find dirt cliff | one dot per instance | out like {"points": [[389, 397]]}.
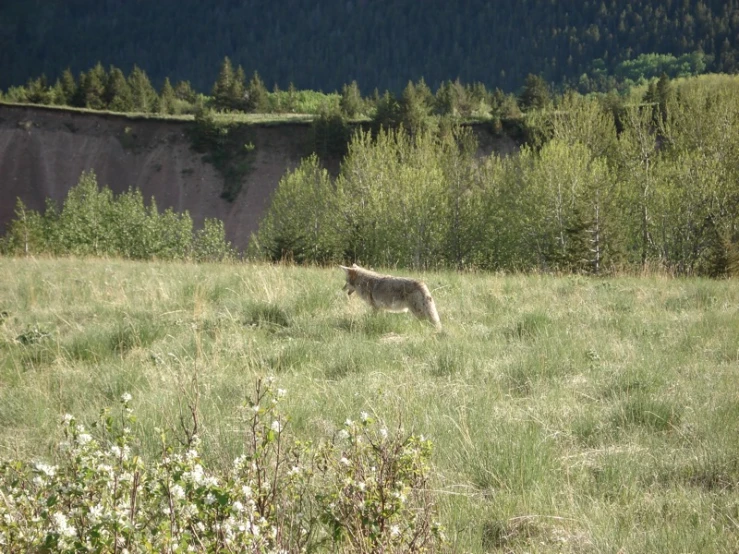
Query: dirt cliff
{"points": [[44, 151]]}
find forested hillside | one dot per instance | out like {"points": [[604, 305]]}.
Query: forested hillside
{"points": [[380, 44]]}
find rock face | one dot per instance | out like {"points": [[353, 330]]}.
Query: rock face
{"points": [[43, 152]]}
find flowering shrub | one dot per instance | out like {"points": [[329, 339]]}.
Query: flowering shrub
{"points": [[364, 490]]}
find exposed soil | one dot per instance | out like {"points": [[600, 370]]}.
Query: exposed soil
{"points": [[43, 152]]}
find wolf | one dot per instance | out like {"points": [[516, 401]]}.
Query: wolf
{"points": [[395, 294]]}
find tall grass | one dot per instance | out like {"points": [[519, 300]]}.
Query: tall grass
{"points": [[567, 414]]}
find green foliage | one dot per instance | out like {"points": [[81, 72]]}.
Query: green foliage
{"points": [[143, 96], [565, 411], [331, 134], [381, 48], [228, 146], [304, 223], [602, 186], [351, 102], [257, 96], [95, 222], [535, 94], [365, 490]]}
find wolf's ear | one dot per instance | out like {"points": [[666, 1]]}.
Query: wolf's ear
{"points": [[344, 268], [355, 266]]}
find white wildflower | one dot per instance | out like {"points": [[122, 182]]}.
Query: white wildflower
{"points": [[67, 419], [246, 491], [95, 513], [364, 416], [394, 531], [83, 439], [383, 433], [276, 426], [126, 397], [62, 527], [46, 469], [178, 492], [281, 393], [195, 476], [210, 481], [344, 461], [115, 450], [210, 499], [348, 422], [238, 507], [344, 434]]}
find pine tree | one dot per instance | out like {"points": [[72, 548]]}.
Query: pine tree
{"points": [[93, 87], [414, 112], [37, 91], [167, 98], [257, 97], [69, 87], [535, 94], [351, 102], [143, 95], [117, 94], [237, 90], [222, 88]]}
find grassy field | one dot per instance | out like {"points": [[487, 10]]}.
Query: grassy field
{"points": [[568, 414]]}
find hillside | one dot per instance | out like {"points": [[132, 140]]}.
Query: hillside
{"points": [[323, 45], [44, 151]]}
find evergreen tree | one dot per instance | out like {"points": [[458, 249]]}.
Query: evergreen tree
{"points": [[93, 87], [222, 88], [257, 97], [413, 111], [351, 102], [535, 94], [167, 98], [143, 95], [117, 94], [183, 91], [237, 90], [69, 87], [38, 92]]}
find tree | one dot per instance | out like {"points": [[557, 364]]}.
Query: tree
{"points": [[92, 86], [117, 94], [257, 97], [237, 90], [143, 95], [535, 94], [351, 102], [413, 111], [222, 88], [68, 86], [167, 98], [303, 221]]}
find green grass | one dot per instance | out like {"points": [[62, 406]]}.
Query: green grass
{"points": [[568, 414]]}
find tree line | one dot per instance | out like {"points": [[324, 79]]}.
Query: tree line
{"points": [[595, 190], [323, 45], [93, 221]]}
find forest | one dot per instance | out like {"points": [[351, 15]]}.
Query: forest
{"points": [[380, 45], [651, 185]]}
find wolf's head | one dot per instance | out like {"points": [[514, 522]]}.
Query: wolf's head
{"points": [[351, 278]]}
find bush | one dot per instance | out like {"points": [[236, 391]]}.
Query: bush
{"points": [[95, 222], [364, 490]]}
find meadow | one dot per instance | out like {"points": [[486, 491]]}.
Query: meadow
{"points": [[567, 413]]}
